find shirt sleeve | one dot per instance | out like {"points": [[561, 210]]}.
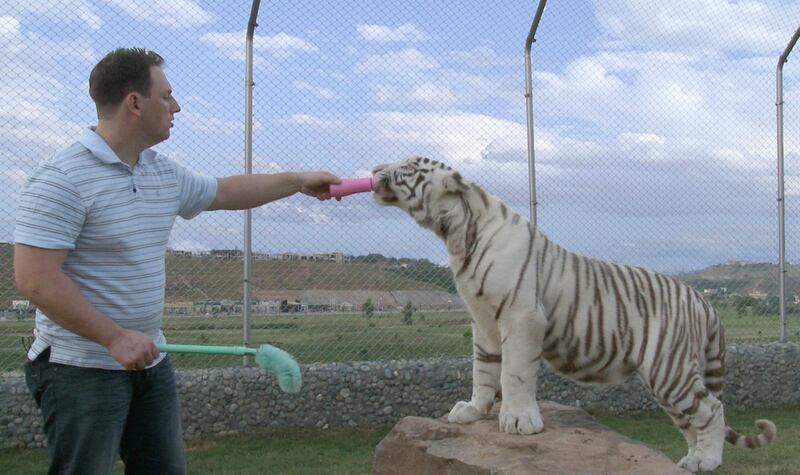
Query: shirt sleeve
{"points": [[50, 211], [197, 192]]}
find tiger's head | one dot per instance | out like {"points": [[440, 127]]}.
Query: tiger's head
{"points": [[430, 191]]}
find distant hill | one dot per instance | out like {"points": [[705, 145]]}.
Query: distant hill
{"points": [[209, 278], [744, 278], [191, 277]]}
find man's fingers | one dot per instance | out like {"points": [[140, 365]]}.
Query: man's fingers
{"points": [[153, 353]]}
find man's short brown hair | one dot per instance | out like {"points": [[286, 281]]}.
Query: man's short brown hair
{"points": [[119, 73]]}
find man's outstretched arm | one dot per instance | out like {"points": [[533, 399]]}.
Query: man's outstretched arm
{"points": [[250, 191]]}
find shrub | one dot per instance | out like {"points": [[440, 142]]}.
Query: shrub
{"points": [[368, 309]]}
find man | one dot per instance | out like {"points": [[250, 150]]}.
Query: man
{"points": [[92, 226]]}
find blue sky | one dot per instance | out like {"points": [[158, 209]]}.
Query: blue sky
{"points": [[655, 123]]}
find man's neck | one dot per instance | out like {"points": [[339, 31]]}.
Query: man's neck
{"points": [[121, 142]]}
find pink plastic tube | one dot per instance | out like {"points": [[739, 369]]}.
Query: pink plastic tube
{"points": [[348, 186]]}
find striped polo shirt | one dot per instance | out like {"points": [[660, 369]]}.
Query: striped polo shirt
{"points": [[115, 221]]}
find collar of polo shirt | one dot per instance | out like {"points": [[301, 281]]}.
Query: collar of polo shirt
{"points": [[100, 148]]}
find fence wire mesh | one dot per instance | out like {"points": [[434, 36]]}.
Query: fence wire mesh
{"points": [[655, 146]]}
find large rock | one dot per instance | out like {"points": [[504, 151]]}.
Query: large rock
{"points": [[572, 442]]}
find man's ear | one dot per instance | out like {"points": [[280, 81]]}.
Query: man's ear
{"points": [[132, 103], [454, 183]]}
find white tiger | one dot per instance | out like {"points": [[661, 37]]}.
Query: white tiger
{"points": [[595, 321]]}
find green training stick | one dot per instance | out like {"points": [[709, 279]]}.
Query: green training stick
{"points": [[268, 357]]}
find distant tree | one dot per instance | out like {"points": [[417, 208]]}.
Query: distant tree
{"points": [[408, 312], [769, 306], [744, 305], [368, 309]]}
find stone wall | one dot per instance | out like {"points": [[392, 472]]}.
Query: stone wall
{"points": [[336, 395]]}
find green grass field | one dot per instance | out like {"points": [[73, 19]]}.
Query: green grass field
{"points": [[347, 337], [780, 457], [351, 451]]}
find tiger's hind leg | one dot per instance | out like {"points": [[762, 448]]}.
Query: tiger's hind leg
{"points": [[695, 405], [709, 422], [689, 433]]}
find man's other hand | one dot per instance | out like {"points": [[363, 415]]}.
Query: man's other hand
{"points": [[133, 350]]}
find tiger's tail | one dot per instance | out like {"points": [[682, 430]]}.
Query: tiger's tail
{"points": [[767, 435], [715, 382]]}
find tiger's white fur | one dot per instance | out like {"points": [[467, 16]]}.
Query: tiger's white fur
{"points": [[592, 320]]}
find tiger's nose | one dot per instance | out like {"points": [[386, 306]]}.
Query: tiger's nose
{"points": [[378, 168]]}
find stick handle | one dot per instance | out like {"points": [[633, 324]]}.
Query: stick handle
{"points": [[206, 349]]}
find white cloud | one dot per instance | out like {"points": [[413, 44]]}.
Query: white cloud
{"points": [[386, 34], [313, 121], [471, 88], [265, 166], [405, 62], [427, 94], [173, 14], [282, 45], [485, 56], [210, 123], [294, 210], [32, 126], [630, 138], [584, 76], [440, 89], [691, 99], [643, 146], [320, 92], [278, 46], [66, 11], [723, 25], [453, 137], [9, 27], [792, 186]]}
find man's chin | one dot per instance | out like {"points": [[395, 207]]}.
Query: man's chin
{"points": [[158, 140]]}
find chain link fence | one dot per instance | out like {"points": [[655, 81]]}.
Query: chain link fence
{"points": [[655, 146]]}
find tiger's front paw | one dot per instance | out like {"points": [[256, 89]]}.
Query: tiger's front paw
{"points": [[528, 421], [463, 413], [690, 463]]}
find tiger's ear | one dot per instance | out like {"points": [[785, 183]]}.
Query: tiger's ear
{"points": [[453, 183]]}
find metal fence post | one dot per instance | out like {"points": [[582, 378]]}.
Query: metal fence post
{"points": [[248, 169], [529, 108], [781, 229]]}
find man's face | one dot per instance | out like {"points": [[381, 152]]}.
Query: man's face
{"points": [[159, 109]]}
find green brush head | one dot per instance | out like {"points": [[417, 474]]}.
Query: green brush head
{"points": [[282, 365]]}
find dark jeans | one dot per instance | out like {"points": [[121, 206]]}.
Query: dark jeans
{"points": [[91, 415]]}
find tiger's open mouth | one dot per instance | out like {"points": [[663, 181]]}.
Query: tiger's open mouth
{"points": [[382, 189]]}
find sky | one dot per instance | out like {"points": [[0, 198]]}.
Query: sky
{"points": [[654, 121]]}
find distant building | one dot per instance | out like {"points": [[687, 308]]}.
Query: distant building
{"points": [[715, 291], [227, 253], [758, 294], [178, 308], [337, 257]]}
